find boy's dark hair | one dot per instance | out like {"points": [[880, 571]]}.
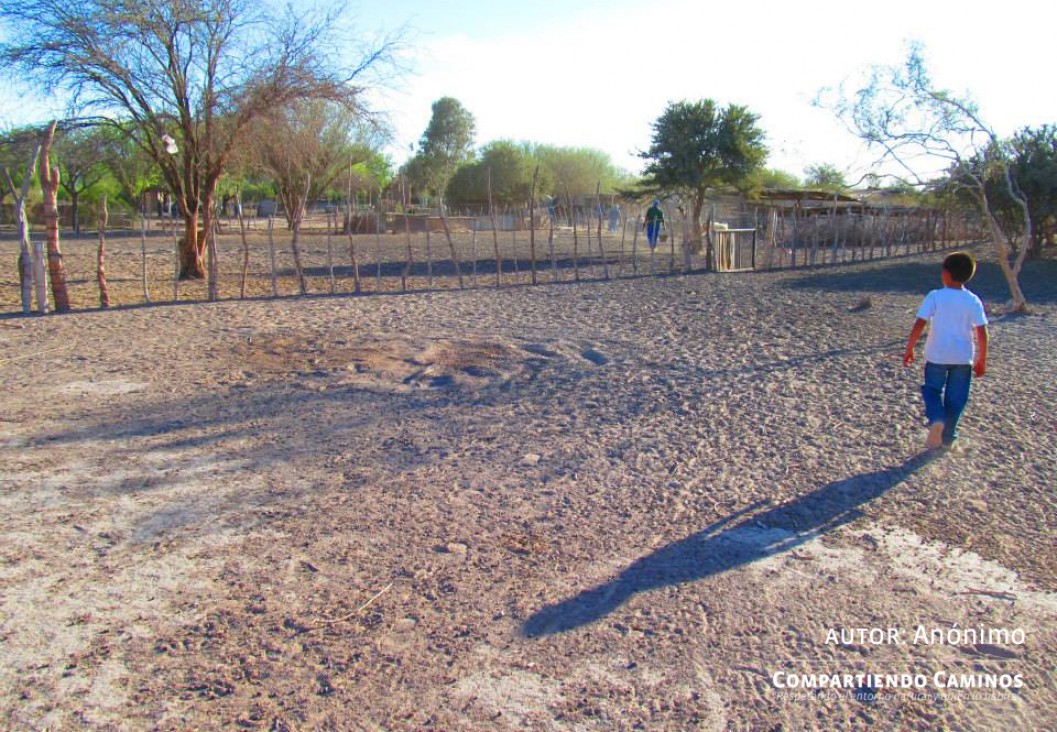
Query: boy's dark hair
{"points": [[961, 266]]}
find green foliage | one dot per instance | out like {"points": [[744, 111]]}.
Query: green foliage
{"points": [[419, 175], [697, 147], [1034, 168], [449, 138], [446, 144], [373, 170], [578, 170], [508, 166], [774, 178], [80, 155], [198, 73], [129, 166], [1031, 159], [17, 145], [826, 177]]}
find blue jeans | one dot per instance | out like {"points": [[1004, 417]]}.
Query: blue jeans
{"points": [[946, 392], [653, 231]]}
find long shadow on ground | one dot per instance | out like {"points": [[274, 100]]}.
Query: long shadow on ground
{"points": [[726, 545], [483, 267], [1038, 280]]}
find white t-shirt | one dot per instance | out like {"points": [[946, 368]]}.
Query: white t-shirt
{"points": [[953, 316]]}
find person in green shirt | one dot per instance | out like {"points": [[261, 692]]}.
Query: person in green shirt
{"points": [[654, 223]]}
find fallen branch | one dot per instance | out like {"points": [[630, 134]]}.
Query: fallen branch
{"points": [[990, 593], [334, 621]]}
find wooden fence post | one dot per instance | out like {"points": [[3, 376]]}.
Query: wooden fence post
{"points": [[245, 244], [532, 223], [379, 222], [601, 246], [473, 253], [100, 268], [271, 254], [410, 260], [576, 241], [49, 183], [330, 254], [295, 238], [143, 251], [635, 246], [429, 255], [550, 246], [495, 235], [451, 244]]}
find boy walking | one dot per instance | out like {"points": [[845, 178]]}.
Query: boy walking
{"points": [[953, 315]]}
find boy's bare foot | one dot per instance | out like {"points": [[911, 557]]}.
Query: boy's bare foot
{"points": [[935, 438]]}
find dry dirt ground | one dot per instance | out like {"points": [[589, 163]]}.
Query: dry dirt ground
{"points": [[650, 503]]}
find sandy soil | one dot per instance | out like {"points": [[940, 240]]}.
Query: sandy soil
{"points": [[641, 504]]}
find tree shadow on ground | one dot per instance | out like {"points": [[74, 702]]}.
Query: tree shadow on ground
{"points": [[1038, 279], [484, 267], [726, 545]]}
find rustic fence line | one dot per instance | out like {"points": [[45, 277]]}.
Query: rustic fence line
{"points": [[403, 257]]}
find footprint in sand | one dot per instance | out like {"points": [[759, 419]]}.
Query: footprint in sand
{"points": [[538, 350], [595, 357]]}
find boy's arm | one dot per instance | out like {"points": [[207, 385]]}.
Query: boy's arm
{"points": [[980, 367], [915, 335]]}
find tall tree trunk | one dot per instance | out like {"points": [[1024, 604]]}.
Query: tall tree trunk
{"points": [[1010, 269], [25, 257], [695, 222], [49, 183], [192, 266]]}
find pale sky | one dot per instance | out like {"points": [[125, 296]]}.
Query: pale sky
{"points": [[596, 74]]}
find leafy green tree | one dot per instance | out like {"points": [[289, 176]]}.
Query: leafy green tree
{"points": [[80, 154], [128, 165], [578, 170], [416, 173], [446, 144], [825, 176], [1034, 167], [509, 168], [373, 171], [189, 76], [698, 148], [774, 178], [1031, 156], [17, 146]]}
